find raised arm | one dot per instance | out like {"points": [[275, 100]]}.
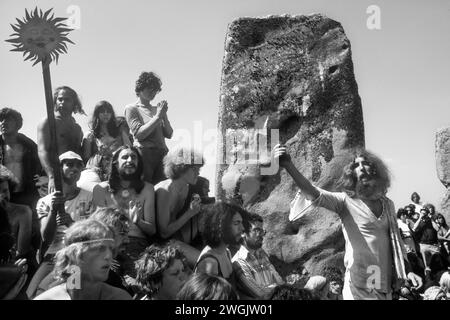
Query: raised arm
{"points": [[165, 226], [280, 153], [139, 129], [420, 223]]}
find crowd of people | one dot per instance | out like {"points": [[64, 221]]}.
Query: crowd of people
{"points": [[134, 220], [426, 236]]}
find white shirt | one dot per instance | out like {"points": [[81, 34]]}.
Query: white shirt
{"points": [[368, 254], [79, 208]]}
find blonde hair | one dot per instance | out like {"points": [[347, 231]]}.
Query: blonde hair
{"points": [[80, 238], [180, 160], [445, 280]]}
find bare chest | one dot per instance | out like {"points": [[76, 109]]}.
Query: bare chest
{"points": [[178, 199], [14, 154], [68, 135], [376, 207]]}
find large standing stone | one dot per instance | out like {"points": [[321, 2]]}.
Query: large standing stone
{"points": [[295, 74], [443, 166]]}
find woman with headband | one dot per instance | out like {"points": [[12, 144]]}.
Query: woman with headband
{"points": [[83, 265]]}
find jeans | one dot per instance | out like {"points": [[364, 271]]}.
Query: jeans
{"points": [[44, 269], [153, 164]]}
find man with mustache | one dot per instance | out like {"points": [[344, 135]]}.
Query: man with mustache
{"points": [[375, 257], [53, 220], [126, 190], [256, 275], [68, 133]]}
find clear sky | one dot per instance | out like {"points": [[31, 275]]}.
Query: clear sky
{"points": [[402, 69]]}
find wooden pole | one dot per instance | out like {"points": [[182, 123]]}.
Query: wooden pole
{"points": [[54, 161]]}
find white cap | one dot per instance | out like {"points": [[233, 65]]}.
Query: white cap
{"points": [[70, 155]]}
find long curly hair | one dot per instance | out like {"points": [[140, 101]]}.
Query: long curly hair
{"points": [[332, 273], [78, 106], [114, 178], [217, 224], [151, 265], [72, 254], [112, 127], [348, 181]]}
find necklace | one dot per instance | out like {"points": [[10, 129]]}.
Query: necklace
{"points": [[125, 193]]}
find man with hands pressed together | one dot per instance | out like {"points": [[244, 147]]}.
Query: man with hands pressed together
{"points": [[149, 126], [375, 256]]}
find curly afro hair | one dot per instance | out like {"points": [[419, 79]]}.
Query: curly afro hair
{"points": [[8, 113], [151, 265], [217, 223], [148, 80]]}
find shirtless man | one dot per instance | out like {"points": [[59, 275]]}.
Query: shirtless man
{"points": [[177, 207], [19, 154], [68, 133], [19, 215], [126, 190]]}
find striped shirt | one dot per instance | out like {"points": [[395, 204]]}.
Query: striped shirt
{"points": [[255, 274]]}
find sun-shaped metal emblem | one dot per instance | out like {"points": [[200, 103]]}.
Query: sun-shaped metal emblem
{"points": [[41, 36]]}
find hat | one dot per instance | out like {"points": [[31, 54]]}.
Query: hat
{"points": [[70, 155]]}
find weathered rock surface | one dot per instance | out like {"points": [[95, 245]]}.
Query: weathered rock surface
{"points": [[443, 166], [295, 74], [443, 155], [445, 205]]}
